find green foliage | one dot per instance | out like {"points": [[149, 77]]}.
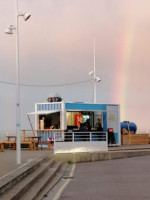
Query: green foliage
{"points": [[69, 162]]}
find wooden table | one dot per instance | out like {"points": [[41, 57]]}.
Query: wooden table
{"points": [[10, 142], [36, 141], [2, 143]]}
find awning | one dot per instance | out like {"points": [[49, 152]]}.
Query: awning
{"points": [[43, 112]]}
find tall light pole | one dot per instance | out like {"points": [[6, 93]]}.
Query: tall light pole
{"points": [[95, 78], [9, 30]]}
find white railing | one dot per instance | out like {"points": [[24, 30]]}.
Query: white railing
{"points": [[4, 134], [81, 142], [45, 134], [68, 142], [50, 134], [84, 136]]}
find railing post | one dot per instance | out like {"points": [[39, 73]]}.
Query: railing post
{"points": [[63, 135], [73, 137], [106, 138], [54, 138], [90, 137]]}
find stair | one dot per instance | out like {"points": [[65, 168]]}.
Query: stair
{"points": [[30, 187]]}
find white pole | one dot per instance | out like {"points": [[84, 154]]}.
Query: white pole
{"points": [[94, 98], [17, 90]]}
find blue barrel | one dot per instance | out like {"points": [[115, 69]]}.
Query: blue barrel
{"points": [[129, 126]]}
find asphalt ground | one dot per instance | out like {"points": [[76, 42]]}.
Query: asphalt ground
{"points": [[122, 179]]}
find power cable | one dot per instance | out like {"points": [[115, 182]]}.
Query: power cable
{"points": [[59, 85]]}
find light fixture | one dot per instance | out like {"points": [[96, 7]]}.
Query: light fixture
{"points": [[10, 29], [91, 73], [97, 79], [25, 15]]}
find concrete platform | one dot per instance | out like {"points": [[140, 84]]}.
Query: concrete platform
{"points": [[8, 159], [129, 147], [113, 153], [30, 159]]}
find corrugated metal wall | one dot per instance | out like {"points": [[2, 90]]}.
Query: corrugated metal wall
{"points": [[50, 106]]}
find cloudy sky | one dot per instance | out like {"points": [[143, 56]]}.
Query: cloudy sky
{"points": [[56, 48]]}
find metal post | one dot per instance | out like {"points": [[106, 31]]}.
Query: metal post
{"points": [[94, 70], [90, 137], [73, 137], [17, 90]]}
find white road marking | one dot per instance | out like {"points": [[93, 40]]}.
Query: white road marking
{"points": [[65, 183]]}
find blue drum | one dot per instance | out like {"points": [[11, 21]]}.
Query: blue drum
{"points": [[129, 126]]}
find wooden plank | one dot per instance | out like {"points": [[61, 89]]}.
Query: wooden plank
{"points": [[31, 144], [48, 143], [14, 144], [2, 147], [135, 139], [7, 142]]}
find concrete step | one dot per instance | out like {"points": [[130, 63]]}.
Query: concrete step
{"points": [[33, 192], [11, 179], [59, 175], [19, 189]]}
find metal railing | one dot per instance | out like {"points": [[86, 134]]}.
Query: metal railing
{"points": [[4, 134], [59, 135], [50, 135], [72, 142], [84, 136]]}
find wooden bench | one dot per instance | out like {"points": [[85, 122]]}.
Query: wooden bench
{"points": [[48, 144], [31, 144], [2, 143], [36, 140]]}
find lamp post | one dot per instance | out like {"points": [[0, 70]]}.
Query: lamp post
{"points": [[9, 30], [93, 73]]}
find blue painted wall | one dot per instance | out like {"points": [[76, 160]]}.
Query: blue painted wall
{"points": [[83, 106]]}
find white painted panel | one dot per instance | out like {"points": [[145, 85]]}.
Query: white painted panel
{"points": [[112, 118], [74, 147]]}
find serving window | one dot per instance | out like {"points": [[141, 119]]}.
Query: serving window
{"points": [[50, 121], [74, 119]]}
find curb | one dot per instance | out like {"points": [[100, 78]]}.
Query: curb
{"points": [[99, 156], [6, 182]]}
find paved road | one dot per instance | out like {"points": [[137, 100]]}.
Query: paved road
{"points": [[123, 179]]}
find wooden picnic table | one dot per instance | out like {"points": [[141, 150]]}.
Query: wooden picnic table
{"points": [[12, 143], [11, 137], [36, 141]]}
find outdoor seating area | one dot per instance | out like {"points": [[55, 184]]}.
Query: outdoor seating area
{"points": [[32, 142]]}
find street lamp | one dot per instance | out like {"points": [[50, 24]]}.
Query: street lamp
{"points": [[10, 30], [93, 73]]}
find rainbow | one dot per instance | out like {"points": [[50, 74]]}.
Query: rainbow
{"points": [[123, 66]]}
